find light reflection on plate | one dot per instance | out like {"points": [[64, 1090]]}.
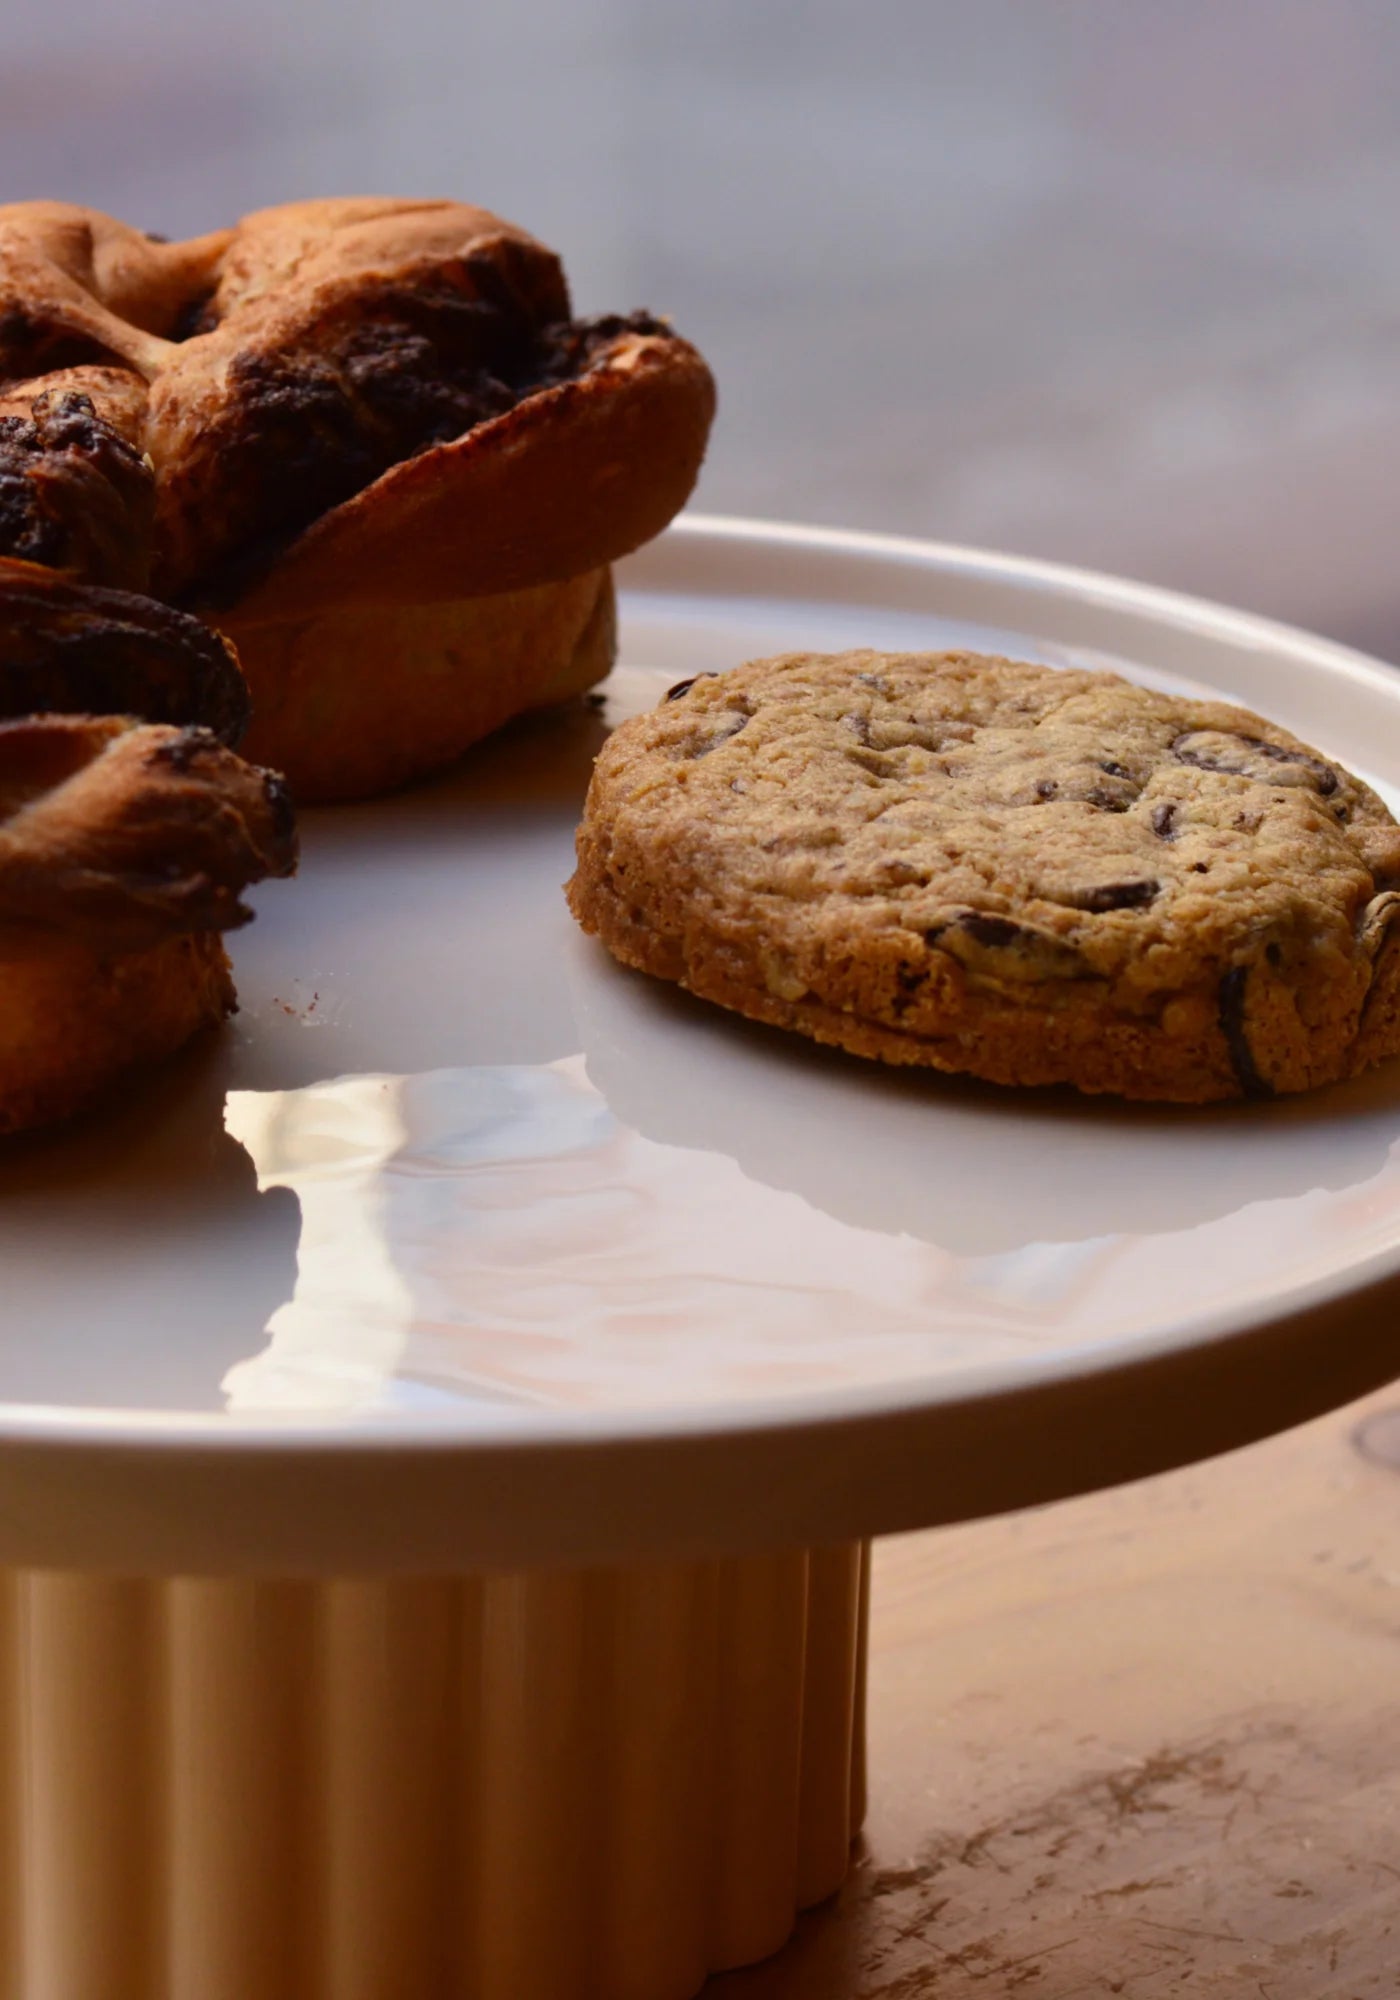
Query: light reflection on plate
{"points": [[498, 1232], [504, 1235]]}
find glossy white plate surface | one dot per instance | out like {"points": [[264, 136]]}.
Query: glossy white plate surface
{"points": [[464, 1245]]}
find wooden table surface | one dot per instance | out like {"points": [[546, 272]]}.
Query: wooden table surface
{"points": [[1142, 1744]]}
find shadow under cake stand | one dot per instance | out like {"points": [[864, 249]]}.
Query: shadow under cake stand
{"points": [[443, 1422]]}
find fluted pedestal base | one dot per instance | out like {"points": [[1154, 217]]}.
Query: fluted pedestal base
{"points": [[593, 1785]]}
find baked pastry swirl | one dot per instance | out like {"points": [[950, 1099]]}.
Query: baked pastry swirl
{"points": [[125, 849], [1027, 875], [128, 827], [365, 439], [77, 649]]}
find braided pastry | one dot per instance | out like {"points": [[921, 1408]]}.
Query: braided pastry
{"points": [[364, 439], [124, 851]]}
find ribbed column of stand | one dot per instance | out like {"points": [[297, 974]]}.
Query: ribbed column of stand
{"points": [[89, 1759], [397, 1806], [833, 1714], [11, 1782], [553, 1786], [241, 1780]]}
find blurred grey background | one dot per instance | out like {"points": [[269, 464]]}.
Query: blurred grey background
{"points": [[1116, 281]]}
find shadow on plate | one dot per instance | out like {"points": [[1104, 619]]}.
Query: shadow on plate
{"points": [[139, 1257], [967, 1166], [538, 763]]}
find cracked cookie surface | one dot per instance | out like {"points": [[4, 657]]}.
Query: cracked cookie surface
{"points": [[1025, 874]]}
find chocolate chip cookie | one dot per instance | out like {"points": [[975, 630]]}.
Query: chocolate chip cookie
{"points": [[1028, 875]]}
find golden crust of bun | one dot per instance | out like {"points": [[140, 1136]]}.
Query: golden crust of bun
{"points": [[125, 849], [83, 288], [74, 1021], [124, 852], [380, 407], [415, 686], [303, 362], [116, 836]]}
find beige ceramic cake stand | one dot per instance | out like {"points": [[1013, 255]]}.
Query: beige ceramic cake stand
{"points": [[443, 1420]]}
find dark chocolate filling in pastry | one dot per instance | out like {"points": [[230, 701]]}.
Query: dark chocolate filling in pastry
{"points": [[417, 368], [74, 494], [74, 649]]}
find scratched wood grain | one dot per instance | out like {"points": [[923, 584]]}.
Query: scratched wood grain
{"points": [[1145, 1744]]}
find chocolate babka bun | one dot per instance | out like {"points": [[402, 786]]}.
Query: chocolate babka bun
{"points": [[339, 409], [125, 852], [122, 834]]}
